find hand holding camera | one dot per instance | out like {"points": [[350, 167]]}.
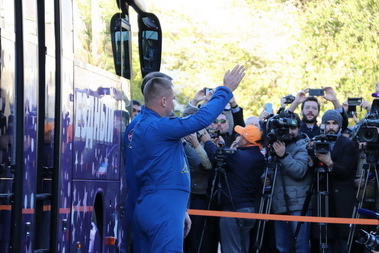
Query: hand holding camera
{"points": [[279, 148]]}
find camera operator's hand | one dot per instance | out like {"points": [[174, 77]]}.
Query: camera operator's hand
{"points": [[263, 115], [325, 158], [208, 96], [331, 95], [234, 145], [279, 148], [300, 98], [366, 105], [233, 78], [192, 139], [199, 96], [205, 137]]}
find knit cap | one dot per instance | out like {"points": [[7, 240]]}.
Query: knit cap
{"points": [[332, 115]]}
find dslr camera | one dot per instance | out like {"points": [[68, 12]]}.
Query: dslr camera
{"points": [[278, 126], [288, 99]]}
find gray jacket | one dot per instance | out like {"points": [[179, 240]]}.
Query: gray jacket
{"points": [[297, 177]]}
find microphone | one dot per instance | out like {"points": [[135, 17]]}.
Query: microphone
{"points": [[368, 213], [375, 94]]}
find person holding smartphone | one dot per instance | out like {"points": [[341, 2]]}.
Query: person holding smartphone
{"points": [[310, 110]]}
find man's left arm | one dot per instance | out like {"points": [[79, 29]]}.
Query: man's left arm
{"points": [[345, 161]]}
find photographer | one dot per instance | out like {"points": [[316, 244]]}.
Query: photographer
{"points": [[292, 183], [341, 162], [243, 168], [226, 121], [310, 110]]}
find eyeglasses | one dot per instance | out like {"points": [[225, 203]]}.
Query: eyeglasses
{"points": [[222, 121]]}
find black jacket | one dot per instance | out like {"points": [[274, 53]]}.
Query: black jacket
{"points": [[243, 171]]}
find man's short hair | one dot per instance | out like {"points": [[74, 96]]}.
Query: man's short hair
{"points": [[156, 88], [152, 75], [311, 98], [136, 102]]}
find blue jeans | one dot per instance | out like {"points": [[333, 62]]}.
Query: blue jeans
{"points": [[284, 235], [235, 233]]}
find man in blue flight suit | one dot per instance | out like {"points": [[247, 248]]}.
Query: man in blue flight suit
{"points": [[133, 190], [160, 162]]}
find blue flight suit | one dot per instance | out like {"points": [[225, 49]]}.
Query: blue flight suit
{"points": [[133, 189], [163, 175]]}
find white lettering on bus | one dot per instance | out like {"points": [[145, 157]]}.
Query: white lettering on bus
{"points": [[93, 120]]}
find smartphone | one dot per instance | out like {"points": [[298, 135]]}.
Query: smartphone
{"points": [[354, 101], [207, 90], [268, 108], [316, 92], [352, 106]]}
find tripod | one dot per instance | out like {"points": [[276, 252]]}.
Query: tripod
{"points": [[320, 185], [323, 203], [266, 198], [370, 166], [216, 188]]}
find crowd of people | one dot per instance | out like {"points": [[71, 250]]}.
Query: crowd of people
{"points": [[210, 158]]}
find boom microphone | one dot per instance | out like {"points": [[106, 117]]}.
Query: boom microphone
{"points": [[368, 213]]}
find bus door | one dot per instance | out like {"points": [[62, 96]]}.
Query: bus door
{"points": [[29, 101], [7, 102]]}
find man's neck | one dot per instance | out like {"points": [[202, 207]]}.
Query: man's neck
{"points": [[310, 125]]}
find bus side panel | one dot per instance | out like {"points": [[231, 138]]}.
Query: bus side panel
{"points": [[30, 70], [98, 127], [67, 160], [7, 84], [66, 76], [95, 215]]}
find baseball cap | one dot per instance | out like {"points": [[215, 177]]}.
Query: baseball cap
{"points": [[250, 132]]}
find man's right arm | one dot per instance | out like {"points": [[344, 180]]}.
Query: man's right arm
{"points": [[300, 98]]}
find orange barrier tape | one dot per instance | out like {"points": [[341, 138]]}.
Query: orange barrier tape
{"points": [[283, 217]]}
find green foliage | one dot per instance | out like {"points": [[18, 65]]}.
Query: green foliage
{"points": [[286, 46]]}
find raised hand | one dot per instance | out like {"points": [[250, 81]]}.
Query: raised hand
{"points": [[233, 78]]}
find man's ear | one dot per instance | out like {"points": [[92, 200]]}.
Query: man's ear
{"points": [[163, 101]]}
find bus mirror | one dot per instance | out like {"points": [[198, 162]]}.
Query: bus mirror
{"points": [[149, 43], [120, 36]]}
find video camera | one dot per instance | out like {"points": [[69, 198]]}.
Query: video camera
{"points": [[278, 127], [370, 240], [367, 131], [221, 153], [321, 143], [368, 128]]}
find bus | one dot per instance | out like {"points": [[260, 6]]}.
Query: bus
{"points": [[65, 99]]}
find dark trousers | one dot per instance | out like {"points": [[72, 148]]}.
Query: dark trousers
{"points": [[211, 231]]}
